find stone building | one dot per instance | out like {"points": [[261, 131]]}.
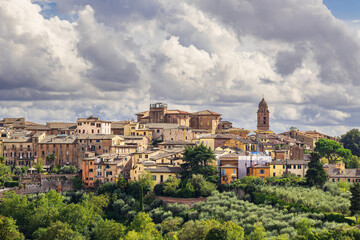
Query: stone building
{"points": [[159, 113], [206, 120], [64, 147], [19, 149], [93, 125]]}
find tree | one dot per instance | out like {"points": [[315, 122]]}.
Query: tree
{"points": [[122, 183], [197, 160], [201, 186], [68, 169], [145, 181], [351, 140], [57, 231], [304, 229], [5, 174], [108, 230], [9, 230], [217, 233], [355, 199], [50, 159], [2, 159], [39, 166], [24, 170], [171, 224], [352, 162], [258, 233], [170, 186], [143, 223], [77, 182], [332, 150], [316, 175]]}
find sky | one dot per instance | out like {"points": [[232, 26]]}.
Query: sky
{"points": [[61, 60]]}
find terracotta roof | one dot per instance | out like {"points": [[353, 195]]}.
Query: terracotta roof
{"points": [[228, 166], [52, 139], [97, 136], [37, 127], [164, 169], [161, 125], [289, 162], [216, 136], [176, 143], [61, 125], [261, 166], [206, 112], [177, 112], [142, 113], [232, 155]]}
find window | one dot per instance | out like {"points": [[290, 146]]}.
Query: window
{"points": [[234, 171], [153, 177], [262, 171], [274, 174], [299, 166], [273, 166], [92, 124], [90, 163], [222, 172]]}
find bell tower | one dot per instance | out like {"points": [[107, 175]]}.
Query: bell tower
{"points": [[263, 116]]}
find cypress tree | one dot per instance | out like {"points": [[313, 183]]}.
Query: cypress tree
{"points": [[316, 175], [355, 199]]}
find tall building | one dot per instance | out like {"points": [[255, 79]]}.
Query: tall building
{"points": [[263, 116]]}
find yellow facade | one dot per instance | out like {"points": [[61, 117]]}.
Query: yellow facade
{"points": [[162, 177], [277, 170], [240, 145], [228, 174], [136, 129], [208, 142]]}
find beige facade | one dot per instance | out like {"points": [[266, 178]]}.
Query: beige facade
{"points": [[18, 150], [93, 125]]}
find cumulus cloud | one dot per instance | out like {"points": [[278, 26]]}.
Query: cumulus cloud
{"points": [[67, 59]]}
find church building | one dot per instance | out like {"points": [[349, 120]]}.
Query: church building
{"points": [[263, 116]]}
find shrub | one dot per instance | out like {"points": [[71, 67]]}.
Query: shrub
{"points": [[11, 184]]}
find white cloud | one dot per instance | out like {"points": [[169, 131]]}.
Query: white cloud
{"points": [[199, 54]]}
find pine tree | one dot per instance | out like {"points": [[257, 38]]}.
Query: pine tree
{"points": [[316, 175]]}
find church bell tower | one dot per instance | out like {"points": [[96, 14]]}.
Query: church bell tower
{"points": [[263, 116]]}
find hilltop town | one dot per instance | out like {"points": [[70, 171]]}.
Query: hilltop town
{"points": [[155, 142], [172, 174]]}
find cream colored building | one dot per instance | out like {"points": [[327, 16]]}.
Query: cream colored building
{"points": [[93, 125]]}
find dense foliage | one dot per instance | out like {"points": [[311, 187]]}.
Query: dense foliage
{"points": [[198, 160], [332, 150], [324, 201], [227, 207], [195, 186], [351, 140]]}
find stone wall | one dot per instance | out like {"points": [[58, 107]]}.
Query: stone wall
{"points": [[45, 183]]}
